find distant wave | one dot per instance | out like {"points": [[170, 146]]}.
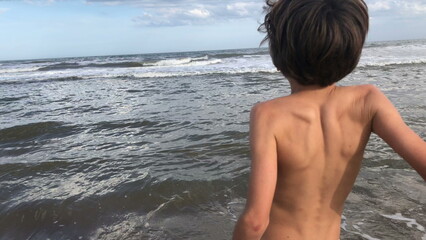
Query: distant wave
{"points": [[63, 66], [17, 70], [149, 74], [183, 65], [184, 62], [194, 61], [202, 63], [158, 72], [390, 63], [234, 55], [184, 74], [39, 61], [116, 65], [60, 66], [176, 61], [403, 43]]}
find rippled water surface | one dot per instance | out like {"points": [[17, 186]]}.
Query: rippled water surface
{"points": [[155, 146]]}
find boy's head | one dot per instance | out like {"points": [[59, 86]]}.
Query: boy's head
{"points": [[316, 42]]}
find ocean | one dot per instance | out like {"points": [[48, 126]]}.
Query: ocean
{"points": [[155, 146]]}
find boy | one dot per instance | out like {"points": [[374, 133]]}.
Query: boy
{"points": [[307, 147]]}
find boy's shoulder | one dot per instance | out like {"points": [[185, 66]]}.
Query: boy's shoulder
{"points": [[296, 100], [364, 89], [304, 106]]}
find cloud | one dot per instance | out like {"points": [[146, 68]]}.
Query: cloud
{"points": [[3, 10], [244, 9], [377, 6], [198, 13], [173, 17], [188, 12], [416, 8], [397, 7], [40, 2]]}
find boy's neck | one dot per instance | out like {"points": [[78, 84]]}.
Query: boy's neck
{"points": [[297, 87]]}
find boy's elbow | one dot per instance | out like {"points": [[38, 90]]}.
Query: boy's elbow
{"points": [[419, 166], [257, 225], [418, 162], [422, 172], [252, 226]]}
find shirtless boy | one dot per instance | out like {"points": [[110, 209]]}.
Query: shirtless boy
{"points": [[307, 147]]}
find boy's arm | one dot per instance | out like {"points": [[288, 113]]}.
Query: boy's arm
{"points": [[255, 218], [388, 124]]}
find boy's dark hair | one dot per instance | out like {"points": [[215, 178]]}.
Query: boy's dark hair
{"points": [[315, 42]]}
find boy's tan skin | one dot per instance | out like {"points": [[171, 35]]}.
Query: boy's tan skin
{"points": [[307, 150]]}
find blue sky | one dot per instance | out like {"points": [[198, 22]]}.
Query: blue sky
{"points": [[59, 28]]}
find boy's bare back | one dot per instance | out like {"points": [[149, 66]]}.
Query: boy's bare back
{"points": [[307, 150], [320, 139]]}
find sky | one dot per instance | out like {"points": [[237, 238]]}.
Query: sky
{"points": [[33, 29]]}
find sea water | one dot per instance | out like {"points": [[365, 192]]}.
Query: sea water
{"points": [[155, 146]]}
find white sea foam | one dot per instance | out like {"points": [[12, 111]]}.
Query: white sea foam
{"points": [[203, 63], [183, 63], [170, 62], [17, 70], [206, 57], [394, 55], [176, 61], [164, 74], [366, 236], [387, 62], [409, 221], [197, 73], [358, 231]]}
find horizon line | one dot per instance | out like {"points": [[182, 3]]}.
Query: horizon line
{"points": [[174, 52]]}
